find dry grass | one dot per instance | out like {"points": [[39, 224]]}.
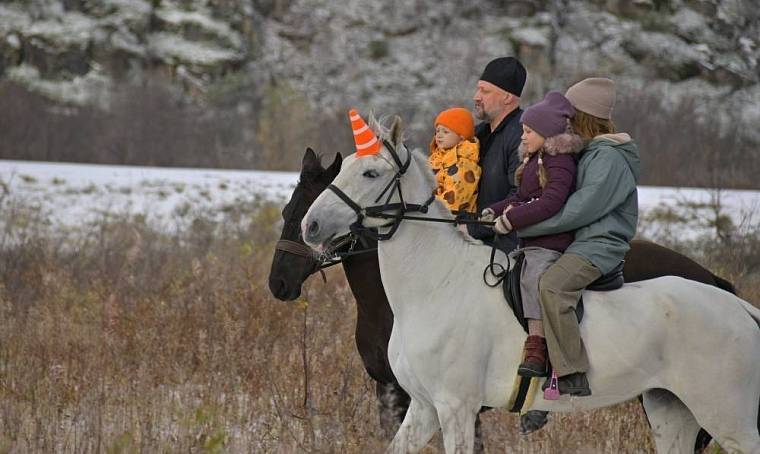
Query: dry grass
{"points": [[131, 340]]}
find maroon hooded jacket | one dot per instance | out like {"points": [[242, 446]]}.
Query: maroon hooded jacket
{"points": [[532, 204]]}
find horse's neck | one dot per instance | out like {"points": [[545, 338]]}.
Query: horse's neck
{"points": [[420, 255], [433, 275], [363, 275]]}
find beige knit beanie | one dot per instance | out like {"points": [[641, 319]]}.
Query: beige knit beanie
{"points": [[595, 96]]}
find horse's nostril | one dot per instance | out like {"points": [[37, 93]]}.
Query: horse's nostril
{"points": [[313, 228], [277, 287]]}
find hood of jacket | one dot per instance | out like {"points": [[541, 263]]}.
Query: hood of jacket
{"points": [[622, 143], [565, 143]]}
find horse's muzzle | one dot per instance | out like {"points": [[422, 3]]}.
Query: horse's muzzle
{"points": [[281, 291]]}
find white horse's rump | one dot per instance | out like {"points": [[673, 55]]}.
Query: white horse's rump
{"points": [[693, 350]]}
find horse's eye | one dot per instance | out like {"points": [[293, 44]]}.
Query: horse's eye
{"points": [[371, 174]]}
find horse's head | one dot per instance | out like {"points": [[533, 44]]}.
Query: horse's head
{"points": [[293, 261], [368, 180]]}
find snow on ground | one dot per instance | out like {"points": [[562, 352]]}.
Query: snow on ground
{"points": [[668, 213], [71, 194]]}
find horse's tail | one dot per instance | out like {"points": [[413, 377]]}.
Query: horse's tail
{"points": [[724, 284]]}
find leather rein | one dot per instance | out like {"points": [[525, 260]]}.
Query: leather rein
{"points": [[333, 255], [401, 208]]}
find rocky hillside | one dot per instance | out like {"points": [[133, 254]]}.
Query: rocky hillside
{"points": [[410, 57]]}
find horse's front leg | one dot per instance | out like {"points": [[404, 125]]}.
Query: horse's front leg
{"points": [[392, 403], [420, 423], [458, 426]]}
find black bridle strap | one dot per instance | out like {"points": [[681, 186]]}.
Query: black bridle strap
{"points": [[346, 199], [319, 263], [302, 250], [401, 208], [295, 248], [455, 221], [385, 189], [402, 167]]}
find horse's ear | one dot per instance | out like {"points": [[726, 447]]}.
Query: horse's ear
{"points": [[335, 166], [310, 162], [396, 130], [372, 122]]}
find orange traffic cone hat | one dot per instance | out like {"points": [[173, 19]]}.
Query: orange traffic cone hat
{"points": [[366, 140]]}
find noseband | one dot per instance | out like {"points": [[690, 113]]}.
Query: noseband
{"points": [[332, 256], [401, 208]]}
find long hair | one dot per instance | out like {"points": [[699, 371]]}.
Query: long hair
{"points": [[588, 126], [543, 178]]}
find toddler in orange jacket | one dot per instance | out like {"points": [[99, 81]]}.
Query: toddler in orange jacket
{"points": [[454, 155]]}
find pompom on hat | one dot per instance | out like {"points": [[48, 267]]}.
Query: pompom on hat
{"points": [[365, 139], [457, 119]]}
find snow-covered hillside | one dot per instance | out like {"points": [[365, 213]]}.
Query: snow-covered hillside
{"points": [[388, 55], [74, 194]]}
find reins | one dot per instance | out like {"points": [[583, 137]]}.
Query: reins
{"points": [[499, 274], [401, 208], [359, 232]]}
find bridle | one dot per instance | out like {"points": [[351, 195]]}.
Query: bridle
{"points": [[380, 211], [333, 256], [400, 208], [359, 233]]}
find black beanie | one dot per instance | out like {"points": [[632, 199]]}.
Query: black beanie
{"points": [[506, 73]]}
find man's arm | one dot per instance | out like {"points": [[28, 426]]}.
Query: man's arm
{"points": [[608, 184], [512, 162]]}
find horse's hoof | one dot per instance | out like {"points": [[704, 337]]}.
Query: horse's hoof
{"points": [[532, 421]]}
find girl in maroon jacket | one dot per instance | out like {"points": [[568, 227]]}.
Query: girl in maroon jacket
{"points": [[545, 179]]}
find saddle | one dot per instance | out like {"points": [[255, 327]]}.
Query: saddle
{"points": [[511, 286]]}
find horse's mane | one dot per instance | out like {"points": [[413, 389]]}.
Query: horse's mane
{"points": [[382, 126]]}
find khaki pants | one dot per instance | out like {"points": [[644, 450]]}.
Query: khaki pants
{"points": [[559, 292]]}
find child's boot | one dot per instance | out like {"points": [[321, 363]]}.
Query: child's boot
{"points": [[534, 364]]}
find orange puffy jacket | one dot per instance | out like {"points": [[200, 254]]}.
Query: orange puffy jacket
{"points": [[457, 174]]}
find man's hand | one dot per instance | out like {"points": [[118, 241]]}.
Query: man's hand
{"points": [[487, 215]]}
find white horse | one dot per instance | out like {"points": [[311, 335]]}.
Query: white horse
{"points": [[691, 349]]}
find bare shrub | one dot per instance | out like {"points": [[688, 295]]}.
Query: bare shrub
{"points": [[679, 150], [150, 125], [124, 338]]}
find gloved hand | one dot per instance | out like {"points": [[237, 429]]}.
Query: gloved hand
{"points": [[502, 225], [487, 215]]}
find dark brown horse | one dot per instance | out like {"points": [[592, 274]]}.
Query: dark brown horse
{"points": [[293, 263]]}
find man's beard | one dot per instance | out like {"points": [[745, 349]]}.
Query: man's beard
{"points": [[480, 113]]}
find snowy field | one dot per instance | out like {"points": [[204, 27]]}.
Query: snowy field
{"points": [[69, 195], [74, 194]]}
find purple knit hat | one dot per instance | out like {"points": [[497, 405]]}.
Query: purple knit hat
{"points": [[549, 117]]}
